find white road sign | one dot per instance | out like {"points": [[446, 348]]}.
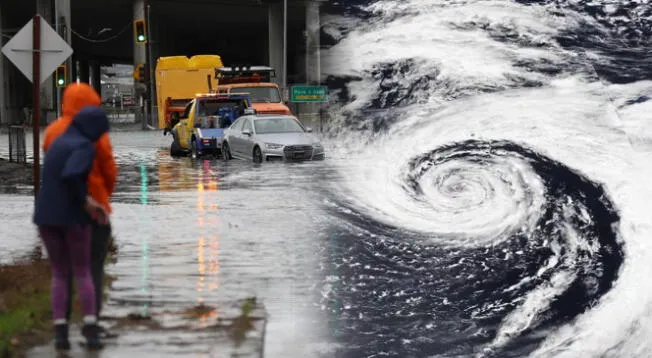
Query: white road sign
{"points": [[54, 50]]}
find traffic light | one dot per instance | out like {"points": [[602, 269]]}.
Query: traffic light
{"points": [[140, 73], [60, 76], [140, 31], [137, 72]]}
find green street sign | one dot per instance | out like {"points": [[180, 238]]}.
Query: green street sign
{"points": [[309, 94]]}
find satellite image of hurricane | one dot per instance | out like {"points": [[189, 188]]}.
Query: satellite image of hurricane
{"points": [[500, 201]]}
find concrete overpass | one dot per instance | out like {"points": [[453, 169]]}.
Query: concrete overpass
{"points": [[101, 33]]}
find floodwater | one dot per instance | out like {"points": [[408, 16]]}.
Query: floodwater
{"points": [[205, 231]]}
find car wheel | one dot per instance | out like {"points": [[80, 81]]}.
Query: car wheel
{"points": [[226, 151], [193, 149], [175, 149], [258, 155]]}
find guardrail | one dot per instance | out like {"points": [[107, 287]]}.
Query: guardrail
{"points": [[122, 116], [17, 151]]}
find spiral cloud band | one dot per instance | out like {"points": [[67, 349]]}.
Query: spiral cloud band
{"points": [[476, 194], [509, 243]]}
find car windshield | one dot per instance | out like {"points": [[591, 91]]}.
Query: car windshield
{"points": [[260, 94], [212, 107], [277, 125], [208, 122]]}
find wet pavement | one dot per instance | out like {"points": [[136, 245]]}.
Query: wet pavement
{"points": [[202, 232], [190, 334]]}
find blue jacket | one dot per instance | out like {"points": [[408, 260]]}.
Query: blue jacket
{"points": [[65, 171]]}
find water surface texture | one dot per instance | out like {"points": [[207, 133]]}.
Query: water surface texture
{"points": [[192, 232]]}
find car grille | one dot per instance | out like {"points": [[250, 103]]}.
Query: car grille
{"points": [[298, 151], [292, 148]]}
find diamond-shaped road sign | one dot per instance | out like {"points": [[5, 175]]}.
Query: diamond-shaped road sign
{"points": [[54, 50]]}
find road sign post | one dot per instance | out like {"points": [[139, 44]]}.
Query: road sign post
{"points": [[26, 51], [309, 94], [36, 107]]}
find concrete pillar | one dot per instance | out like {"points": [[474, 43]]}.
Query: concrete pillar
{"points": [[313, 63], [310, 111], [275, 30], [74, 68], [82, 68], [95, 76], [4, 82], [64, 20]]}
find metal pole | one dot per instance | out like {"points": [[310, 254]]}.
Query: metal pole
{"points": [[36, 111], [57, 28], [285, 45], [150, 60], [145, 114], [3, 80]]}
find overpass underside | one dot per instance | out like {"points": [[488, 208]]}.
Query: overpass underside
{"points": [[101, 33]]}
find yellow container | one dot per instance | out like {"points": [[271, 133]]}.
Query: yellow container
{"points": [[181, 78]]}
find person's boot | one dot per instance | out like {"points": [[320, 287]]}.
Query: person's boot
{"points": [[61, 341], [91, 331]]}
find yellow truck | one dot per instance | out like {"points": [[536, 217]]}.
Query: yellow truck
{"points": [[178, 81]]}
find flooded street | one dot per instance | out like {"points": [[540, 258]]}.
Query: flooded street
{"points": [[203, 232]]}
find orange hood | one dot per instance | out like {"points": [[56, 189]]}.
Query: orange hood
{"points": [[77, 96], [271, 108]]}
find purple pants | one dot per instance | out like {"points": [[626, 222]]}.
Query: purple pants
{"points": [[69, 247]]}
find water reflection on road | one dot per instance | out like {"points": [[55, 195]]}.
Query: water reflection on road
{"points": [[208, 243], [204, 232]]}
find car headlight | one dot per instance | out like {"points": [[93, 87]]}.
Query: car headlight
{"points": [[317, 145], [273, 146]]}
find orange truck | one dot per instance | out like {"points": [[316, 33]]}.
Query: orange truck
{"points": [[256, 82], [178, 80]]}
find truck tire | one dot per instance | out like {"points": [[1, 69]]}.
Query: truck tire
{"points": [[194, 154], [175, 148]]}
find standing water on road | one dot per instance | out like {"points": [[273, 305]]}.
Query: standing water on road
{"points": [[191, 232]]}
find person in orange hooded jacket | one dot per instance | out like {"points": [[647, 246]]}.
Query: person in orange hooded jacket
{"points": [[101, 179]]}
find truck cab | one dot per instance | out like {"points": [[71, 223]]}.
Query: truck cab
{"points": [[254, 81], [200, 128]]}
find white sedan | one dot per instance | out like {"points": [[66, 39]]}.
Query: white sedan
{"points": [[270, 137]]}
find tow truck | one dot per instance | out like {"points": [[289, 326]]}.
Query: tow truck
{"points": [[200, 129], [178, 80], [255, 81]]}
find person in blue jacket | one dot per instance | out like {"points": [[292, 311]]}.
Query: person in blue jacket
{"points": [[63, 212]]}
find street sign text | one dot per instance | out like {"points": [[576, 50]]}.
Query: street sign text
{"points": [[309, 94]]}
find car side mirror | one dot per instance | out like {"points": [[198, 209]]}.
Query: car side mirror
{"points": [[309, 129], [246, 132]]}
